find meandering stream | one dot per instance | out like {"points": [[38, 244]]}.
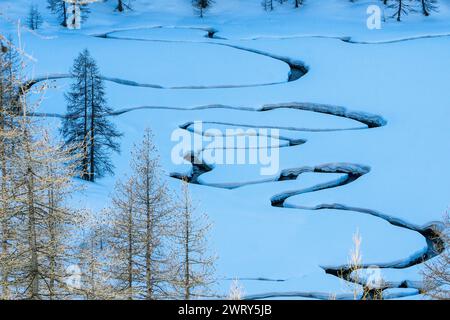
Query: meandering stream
{"points": [[351, 171]]}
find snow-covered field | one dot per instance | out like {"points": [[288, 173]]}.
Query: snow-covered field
{"points": [[163, 71]]}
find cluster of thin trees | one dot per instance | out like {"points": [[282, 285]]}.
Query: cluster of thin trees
{"points": [[150, 243], [269, 5], [63, 8], [398, 7], [401, 8]]}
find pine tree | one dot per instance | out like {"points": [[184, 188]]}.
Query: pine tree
{"points": [[195, 266], [401, 7], [120, 5], [298, 3], [267, 5], [124, 240], [34, 19], [142, 228], [93, 255], [9, 135], [201, 6], [86, 124], [428, 6], [77, 12], [64, 9], [59, 7], [42, 182]]}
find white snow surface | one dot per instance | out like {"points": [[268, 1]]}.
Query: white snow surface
{"points": [[164, 72]]}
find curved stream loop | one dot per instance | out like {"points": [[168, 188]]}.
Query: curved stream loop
{"points": [[351, 173]]}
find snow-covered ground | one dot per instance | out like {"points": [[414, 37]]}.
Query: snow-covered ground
{"points": [[163, 71]]}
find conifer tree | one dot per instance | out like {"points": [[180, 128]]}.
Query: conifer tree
{"points": [[428, 6], [267, 5], [42, 182], [123, 5], [143, 224], [120, 5], [9, 135], [34, 19], [92, 256], [195, 265], [201, 6], [298, 3], [124, 240], [60, 8], [87, 124], [400, 7]]}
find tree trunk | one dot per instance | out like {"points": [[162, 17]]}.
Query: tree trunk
{"points": [[32, 235], [92, 131], [4, 209], [64, 23], [130, 247], [120, 6], [187, 289], [424, 9], [149, 231], [400, 7], [52, 227], [85, 129]]}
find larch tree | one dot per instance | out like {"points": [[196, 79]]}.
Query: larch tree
{"points": [[143, 224], [87, 125], [34, 19], [267, 5], [122, 5], [195, 266], [60, 8], [9, 136], [436, 272], [298, 3], [428, 6], [201, 6], [71, 13], [236, 291], [92, 256], [400, 7], [153, 208], [42, 182], [36, 181], [124, 241]]}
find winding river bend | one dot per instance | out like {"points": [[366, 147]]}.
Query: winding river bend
{"points": [[350, 171]]}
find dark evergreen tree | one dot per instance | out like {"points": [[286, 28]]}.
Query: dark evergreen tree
{"points": [[428, 6], [34, 19], [86, 126], [401, 7], [267, 5], [201, 6], [59, 7], [62, 9], [298, 3], [123, 5], [120, 5]]}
